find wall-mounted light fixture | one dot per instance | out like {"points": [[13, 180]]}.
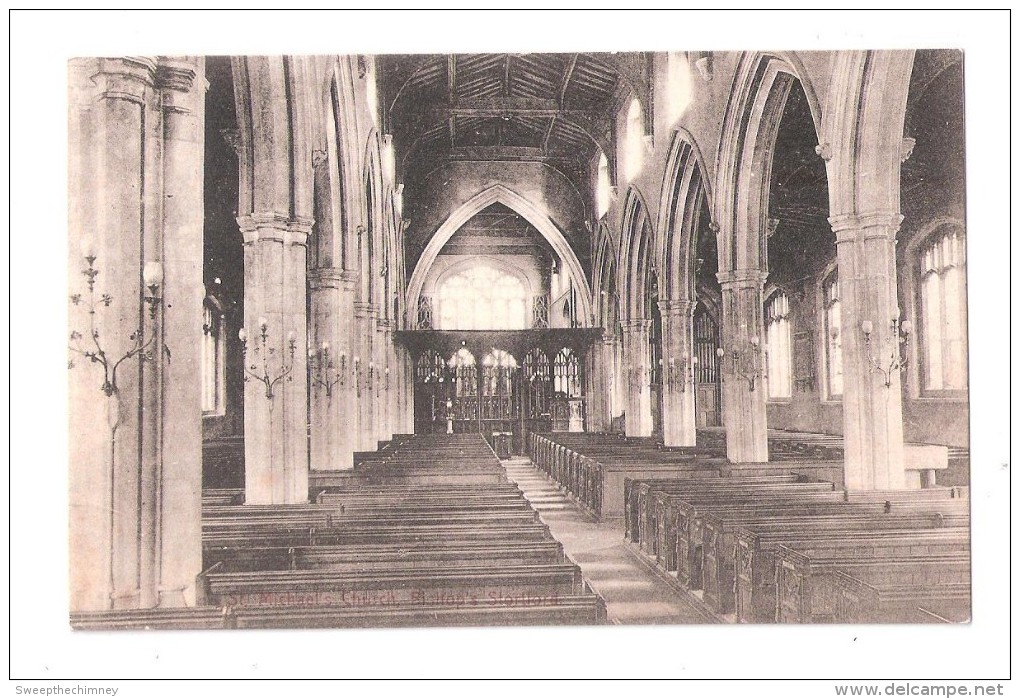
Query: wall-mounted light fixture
{"points": [[141, 342], [262, 351], [896, 343], [324, 371], [746, 366], [356, 372], [679, 374]]}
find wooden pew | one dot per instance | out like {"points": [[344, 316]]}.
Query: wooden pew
{"points": [[420, 533], [375, 556], [393, 586], [204, 617], [750, 569], [394, 534], [579, 610], [682, 505], [863, 598], [805, 591]]}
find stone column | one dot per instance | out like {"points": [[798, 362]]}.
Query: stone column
{"points": [[331, 387], [595, 388], [678, 418], [364, 379], [615, 399], [177, 479], [113, 105], [275, 397], [636, 359], [742, 367], [408, 389], [872, 411], [384, 392]]}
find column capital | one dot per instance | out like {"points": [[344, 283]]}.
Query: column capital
{"points": [[742, 278], [127, 78], [179, 89], [866, 226], [639, 325], [176, 74], [676, 307], [276, 227], [363, 309], [384, 324], [326, 278]]}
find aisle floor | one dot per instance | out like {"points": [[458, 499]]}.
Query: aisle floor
{"points": [[635, 593]]}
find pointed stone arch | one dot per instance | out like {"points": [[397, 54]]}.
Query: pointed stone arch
{"points": [[373, 219], [684, 187], [498, 193], [636, 258], [605, 285], [744, 160]]}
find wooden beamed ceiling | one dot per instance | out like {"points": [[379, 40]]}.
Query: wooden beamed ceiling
{"points": [[554, 108]]}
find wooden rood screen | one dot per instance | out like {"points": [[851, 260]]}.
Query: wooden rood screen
{"points": [[499, 381]]}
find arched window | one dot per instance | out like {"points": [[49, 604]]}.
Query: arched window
{"points": [[482, 298], [634, 154], [778, 346], [943, 341], [566, 374], [833, 340], [602, 188], [462, 365], [213, 357]]}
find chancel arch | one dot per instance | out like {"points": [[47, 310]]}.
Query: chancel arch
{"points": [[544, 225]]}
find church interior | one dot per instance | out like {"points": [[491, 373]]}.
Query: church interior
{"points": [[518, 339]]}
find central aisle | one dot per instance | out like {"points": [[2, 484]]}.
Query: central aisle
{"points": [[634, 593]]}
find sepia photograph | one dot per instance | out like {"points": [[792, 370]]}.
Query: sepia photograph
{"points": [[402, 340]]}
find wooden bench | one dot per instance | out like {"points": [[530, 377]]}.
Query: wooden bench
{"points": [[581, 610], [376, 556], [393, 586], [204, 617], [805, 591], [862, 598], [417, 534], [683, 506], [750, 569], [640, 493], [407, 533]]}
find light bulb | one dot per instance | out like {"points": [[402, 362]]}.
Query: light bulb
{"points": [[867, 327], [263, 323], [907, 327], [88, 247], [242, 335], [291, 336], [152, 274]]}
